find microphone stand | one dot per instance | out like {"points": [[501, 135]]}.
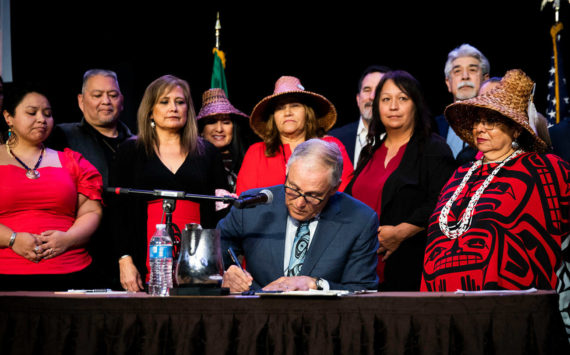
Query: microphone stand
{"points": [[169, 198]]}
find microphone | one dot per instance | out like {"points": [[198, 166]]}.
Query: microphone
{"points": [[263, 197]]}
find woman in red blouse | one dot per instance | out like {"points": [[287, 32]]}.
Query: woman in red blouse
{"points": [[49, 202], [399, 174], [283, 120]]}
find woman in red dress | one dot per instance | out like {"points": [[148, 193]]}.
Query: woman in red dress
{"points": [[500, 221], [49, 202], [283, 120]]}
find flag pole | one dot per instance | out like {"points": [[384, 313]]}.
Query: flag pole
{"points": [[554, 32], [218, 27], [557, 97], [218, 75]]}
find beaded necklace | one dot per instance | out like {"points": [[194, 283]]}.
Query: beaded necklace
{"points": [[30, 173], [465, 222]]}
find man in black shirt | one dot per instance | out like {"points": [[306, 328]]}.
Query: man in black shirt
{"points": [[100, 131], [97, 137]]}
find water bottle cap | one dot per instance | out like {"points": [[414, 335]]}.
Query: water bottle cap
{"points": [[161, 226]]}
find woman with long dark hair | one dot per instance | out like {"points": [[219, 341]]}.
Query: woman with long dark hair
{"points": [[399, 174]]}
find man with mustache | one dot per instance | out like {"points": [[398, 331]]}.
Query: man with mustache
{"points": [[353, 135], [466, 68]]}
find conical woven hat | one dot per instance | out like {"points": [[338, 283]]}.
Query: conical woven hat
{"points": [[510, 98], [325, 111], [215, 102]]}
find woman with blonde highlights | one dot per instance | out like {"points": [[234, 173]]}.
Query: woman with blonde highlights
{"points": [[168, 155]]}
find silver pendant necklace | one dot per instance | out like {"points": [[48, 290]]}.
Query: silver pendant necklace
{"points": [[31, 174]]}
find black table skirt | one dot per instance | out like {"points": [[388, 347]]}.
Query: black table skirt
{"points": [[387, 323]]}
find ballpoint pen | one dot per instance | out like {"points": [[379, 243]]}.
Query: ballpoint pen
{"points": [[236, 261], [234, 258]]}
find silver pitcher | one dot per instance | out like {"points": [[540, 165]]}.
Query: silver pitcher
{"points": [[200, 259]]}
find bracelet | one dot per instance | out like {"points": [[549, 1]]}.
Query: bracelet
{"points": [[124, 256], [12, 239]]}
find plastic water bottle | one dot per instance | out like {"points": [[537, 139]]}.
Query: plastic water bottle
{"points": [[160, 257]]}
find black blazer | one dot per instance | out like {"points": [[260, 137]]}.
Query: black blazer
{"points": [[410, 195], [83, 138], [347, 135], [467, 154]]}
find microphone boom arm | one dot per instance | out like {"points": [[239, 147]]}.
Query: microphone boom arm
{"points": [[176, 195]]}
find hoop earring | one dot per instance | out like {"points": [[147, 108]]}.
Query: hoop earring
{"points": [[152, 124]]}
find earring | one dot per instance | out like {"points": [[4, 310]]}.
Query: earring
{"points": [[152, 124], [515, 145], [11, 136]]}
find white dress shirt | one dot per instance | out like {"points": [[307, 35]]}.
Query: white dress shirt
{"points": [[455, 143], [361, 134]]}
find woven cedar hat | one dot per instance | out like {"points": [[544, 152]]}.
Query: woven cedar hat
{"points": [[215, 102], [325, 111], [510, 98]]}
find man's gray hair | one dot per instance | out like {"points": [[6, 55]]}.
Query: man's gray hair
{"points": [[320, 152], [466, 50], [93, 72]]}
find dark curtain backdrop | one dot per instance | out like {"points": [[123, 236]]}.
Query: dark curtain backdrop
{"points": [[326, 45]]}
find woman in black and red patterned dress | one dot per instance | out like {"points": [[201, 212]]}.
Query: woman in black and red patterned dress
{"points": [[500, 221]]}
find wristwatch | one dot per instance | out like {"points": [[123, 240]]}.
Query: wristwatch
{"points": [[320, 283]]}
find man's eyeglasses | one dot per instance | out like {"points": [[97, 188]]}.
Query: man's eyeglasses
{"points": [[293, 194]]}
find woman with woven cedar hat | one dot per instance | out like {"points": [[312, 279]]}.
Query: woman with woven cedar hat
{"points": [[399, 174], [499, 221], [221, 124], [283, 120]]}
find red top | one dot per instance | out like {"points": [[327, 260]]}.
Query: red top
{"points": [[47, 203], [369, 185], [514, 240], [258, 170], [186, 212]]}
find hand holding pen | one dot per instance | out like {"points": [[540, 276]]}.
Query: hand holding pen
{"points": [[236, 278]]}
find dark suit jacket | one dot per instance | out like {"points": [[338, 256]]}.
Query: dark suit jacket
{"points": [[442, 126], [342, 251], [410, 195], [347, 135], [467, 154]]}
